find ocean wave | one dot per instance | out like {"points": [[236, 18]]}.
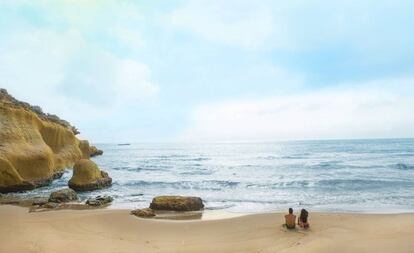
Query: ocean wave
{"points": [[269, 157], [330, 163], [170, 156], [294, 157], [362, 184], [196, 159], [221, 206], [146, 168], [215, 185], [327, 165], [186, 158], [403, 166], [280, 185], [136, 194], [197, 172], [406, 154], [132, 169], [256, 201]]}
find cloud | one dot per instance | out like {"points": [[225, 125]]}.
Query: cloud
{"points": [[106, 62], [78, 60], [129, 37], [367, 110], [366, 26], [244, 24], [132, 81], [55, 69]]}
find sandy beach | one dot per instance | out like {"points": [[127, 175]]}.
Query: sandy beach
{"points": [[117, 231]]}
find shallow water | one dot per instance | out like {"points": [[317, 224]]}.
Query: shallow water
{"points": [[336, 175]]}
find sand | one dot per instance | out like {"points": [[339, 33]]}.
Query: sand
{"points": [[116, 231]]}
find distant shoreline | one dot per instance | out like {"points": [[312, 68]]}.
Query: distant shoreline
{"points": [[256, 141]]}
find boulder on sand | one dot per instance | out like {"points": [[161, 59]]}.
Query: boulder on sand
{"points": [[64, 195], [99, 201], [39, 201], [143, 213], [25, 201], [50, 205], [87, 176], [177, 203]]}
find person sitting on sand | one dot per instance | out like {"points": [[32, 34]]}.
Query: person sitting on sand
{"points": [[303, 219], [290, 219]]}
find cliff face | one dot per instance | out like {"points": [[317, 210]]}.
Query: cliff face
{"points": [[34, 147]]}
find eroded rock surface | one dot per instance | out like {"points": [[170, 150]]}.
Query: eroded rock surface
{"points": [[94, 151], [50, 205], [87, 177], [34, 147], [177, 203], [143, 213], [99, 200], [22, 200], [64, 195]]}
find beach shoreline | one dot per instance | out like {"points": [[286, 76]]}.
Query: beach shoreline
{"points": [[115, 230]]}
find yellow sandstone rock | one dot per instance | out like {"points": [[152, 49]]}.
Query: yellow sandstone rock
{"points": [[87, 176], [177, 203], [94, 151], [34, 147]]}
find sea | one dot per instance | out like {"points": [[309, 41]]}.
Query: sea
{"points": [[373, 176]]}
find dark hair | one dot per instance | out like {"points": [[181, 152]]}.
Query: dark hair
{"points": [[290, 210], [303, 215]]}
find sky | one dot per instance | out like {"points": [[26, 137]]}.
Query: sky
{"points": [[216, 70]]}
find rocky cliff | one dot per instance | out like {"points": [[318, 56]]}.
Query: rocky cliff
{"points": [[34, 147]]}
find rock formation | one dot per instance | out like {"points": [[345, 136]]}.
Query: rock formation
{"points": [[143, 213], [64, 195], [34, 147], [25, 201], [6, 97], [50, 205], [177, 203], [94, 151], [99, 201], [87, 176]]}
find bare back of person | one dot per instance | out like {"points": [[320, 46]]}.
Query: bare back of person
{"points": [[290, 220]]}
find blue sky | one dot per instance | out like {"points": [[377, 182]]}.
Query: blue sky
{"points": [[214, 70]]}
